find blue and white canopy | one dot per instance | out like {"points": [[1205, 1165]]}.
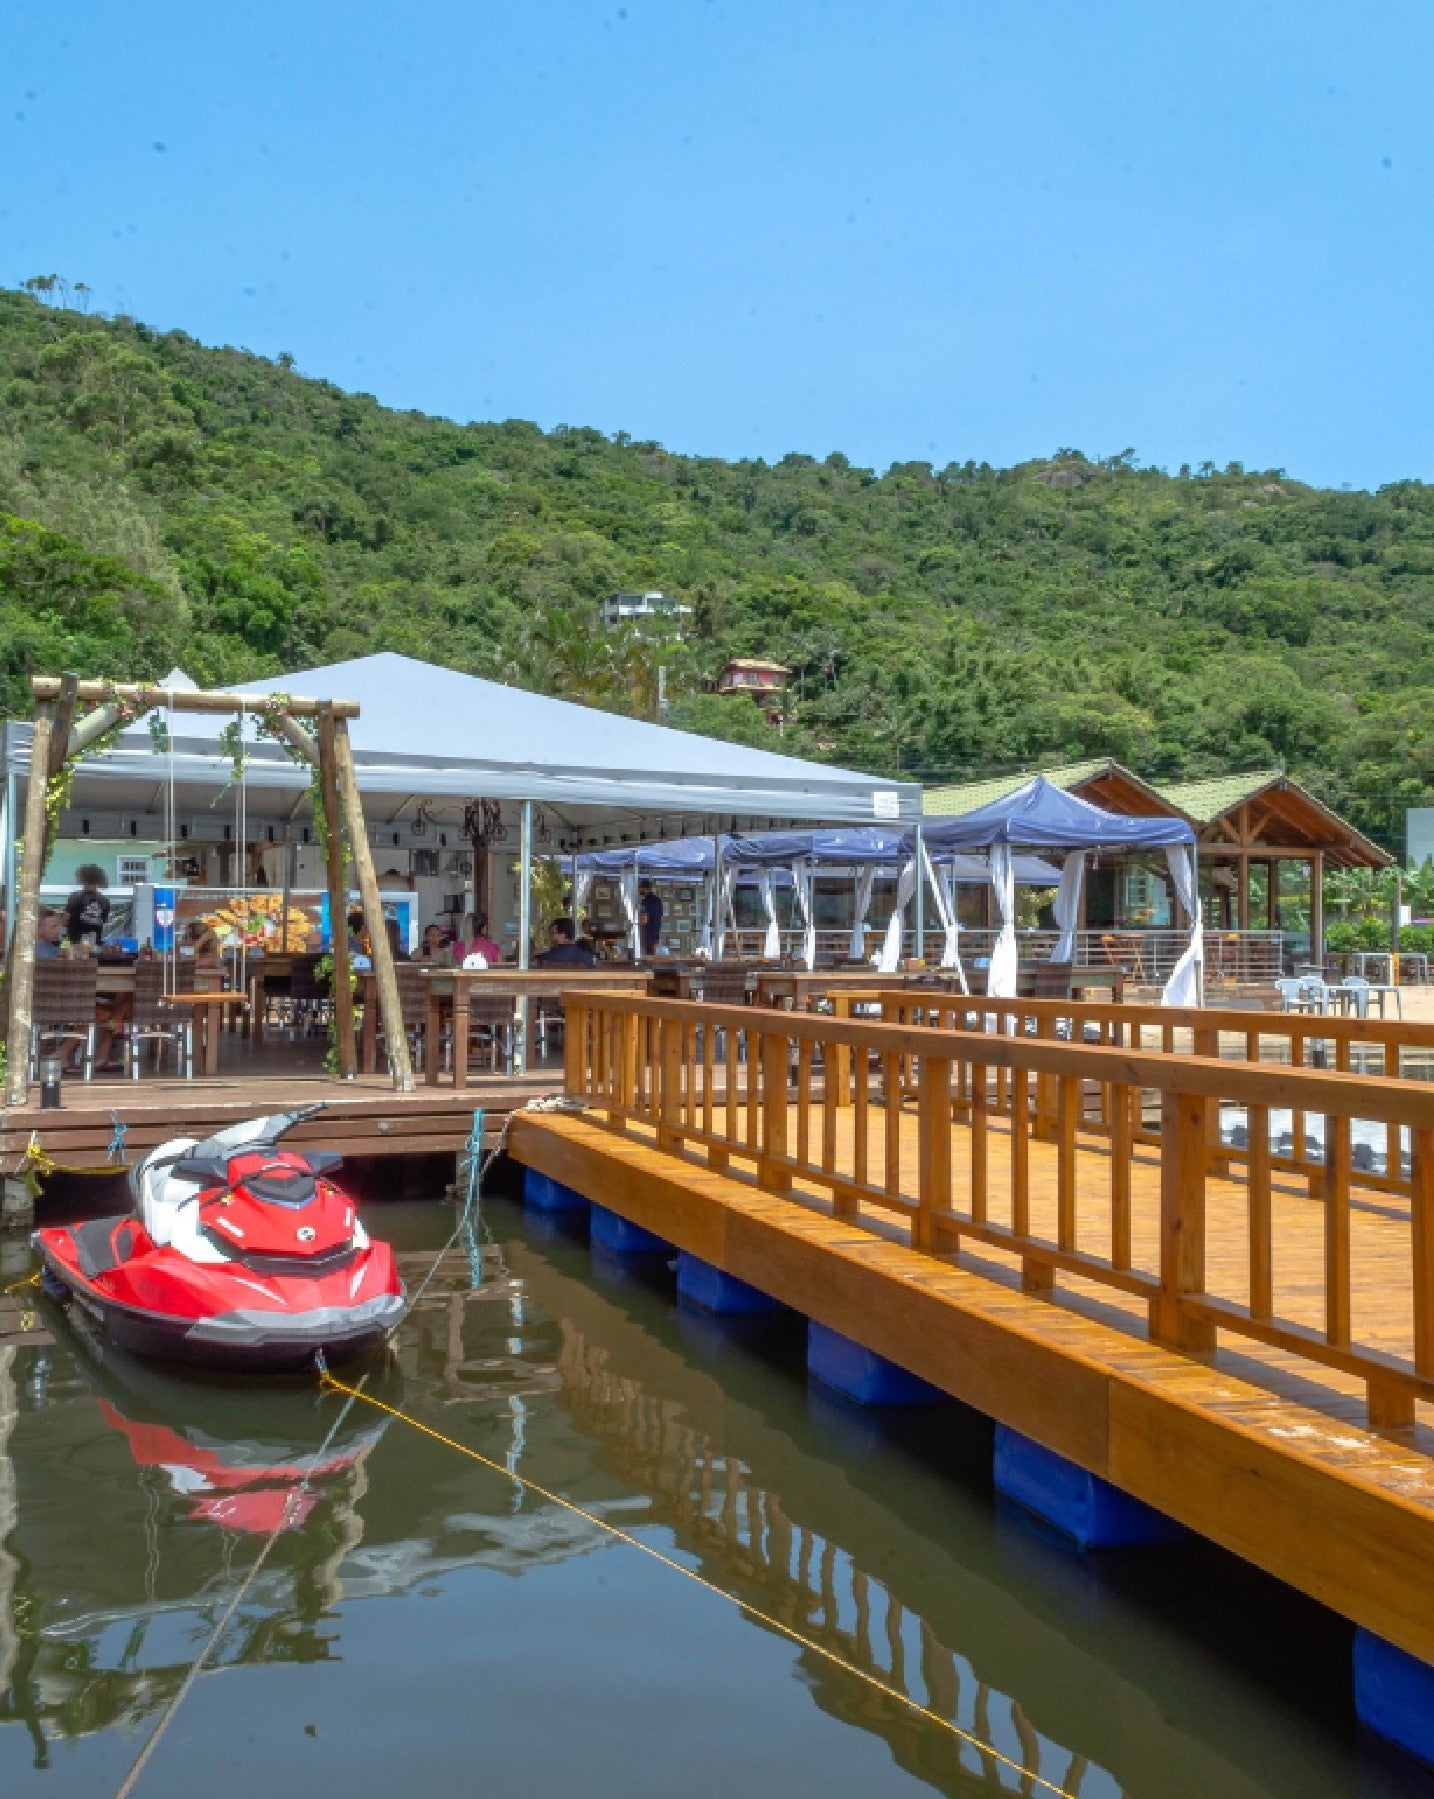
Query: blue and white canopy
{"points": [[1042, 817]]}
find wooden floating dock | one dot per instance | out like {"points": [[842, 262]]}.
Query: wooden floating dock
{"points": [[1244, 1344]]}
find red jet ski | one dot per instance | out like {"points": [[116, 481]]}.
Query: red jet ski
{"points": [[238, 1254]]}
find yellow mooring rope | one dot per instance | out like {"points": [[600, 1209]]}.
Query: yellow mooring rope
{"points": [[667, 1561]]}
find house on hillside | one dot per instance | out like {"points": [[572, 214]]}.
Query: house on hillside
{"points": [[643, 608], [765, 681]]}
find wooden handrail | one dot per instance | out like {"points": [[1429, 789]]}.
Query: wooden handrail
{"points": [[816, 1103], [1224, 1021]]}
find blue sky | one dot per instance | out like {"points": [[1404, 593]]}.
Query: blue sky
{"points": [[925, 229]]}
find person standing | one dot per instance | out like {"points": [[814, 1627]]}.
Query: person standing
{"points": [[87, 910], [649, 914]]}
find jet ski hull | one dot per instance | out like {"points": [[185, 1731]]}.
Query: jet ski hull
{"points": [[220, 1317]]}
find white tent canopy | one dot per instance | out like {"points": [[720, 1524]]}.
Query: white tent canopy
{"points": [[432, 734]]}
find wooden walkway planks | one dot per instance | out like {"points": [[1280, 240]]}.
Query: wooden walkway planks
{"points": [[1260, 1455]]}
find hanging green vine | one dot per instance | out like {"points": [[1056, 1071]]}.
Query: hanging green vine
{"points": [[59, 785], [267, 713]]}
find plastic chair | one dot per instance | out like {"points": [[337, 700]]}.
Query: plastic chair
{"points": [[1358, 990]]}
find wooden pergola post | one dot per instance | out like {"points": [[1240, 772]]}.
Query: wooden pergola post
{"points": [[338, 896], [1317, 908], [390, 1008], [27, 915]]}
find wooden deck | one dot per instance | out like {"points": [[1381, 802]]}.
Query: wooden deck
{"points": [[363, 1117], [1244, 1347]]}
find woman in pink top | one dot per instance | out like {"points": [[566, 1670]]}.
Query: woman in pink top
{"points": [[480, 944]]}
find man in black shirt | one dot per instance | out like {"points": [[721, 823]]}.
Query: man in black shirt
{"points": [[649, 913], [87, 910], [563, 950]]}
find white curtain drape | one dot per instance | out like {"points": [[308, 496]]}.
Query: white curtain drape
{"points": [[627, 893], [726, 916], [1186, 986], [865, 879], [1001, 977], [804, 886], [890, 958], [1067, 906], [943, 886], [772, 942]]}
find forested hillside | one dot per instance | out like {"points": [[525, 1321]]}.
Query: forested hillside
{"points": [[161, 502]]}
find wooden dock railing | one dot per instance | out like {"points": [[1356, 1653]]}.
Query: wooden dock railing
{"points": [[1391, 1047], [989, 1139]]}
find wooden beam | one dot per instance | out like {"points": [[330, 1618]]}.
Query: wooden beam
{"points": [[389, 1006], [27, 916], [149, 694], [91, 728], [60, 727], [338, 897], [296, 736]]}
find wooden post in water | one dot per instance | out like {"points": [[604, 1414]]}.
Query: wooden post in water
{"points": [[338, 894], [390, 1008], [27, 915]]}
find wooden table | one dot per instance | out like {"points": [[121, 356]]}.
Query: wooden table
{"points": [[805, 987], [257, 973], [455, 988], [207, 1011]]}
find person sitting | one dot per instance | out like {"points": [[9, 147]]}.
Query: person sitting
{"points": [[434, 947], [48, 932], [479, 944], [87, 910], [397, 948], [564, 951]]}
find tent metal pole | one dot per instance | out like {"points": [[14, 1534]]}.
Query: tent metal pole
{"points": [[718, 941], [525, 926], [9, 840], [918, 849]]}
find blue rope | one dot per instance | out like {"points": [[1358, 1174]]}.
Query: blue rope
{"points": [[121, 1131], [470, 1204]]}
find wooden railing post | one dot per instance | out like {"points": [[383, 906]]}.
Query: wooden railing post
{"points": [[575, 1039], [1182, 1223], [933, 1139], [775, 1064], [1206, 1042], [1047, 1121], [669, 1114], [838, 1069]]}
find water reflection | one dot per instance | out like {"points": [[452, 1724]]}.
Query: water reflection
{"points": [[133, 1502]]}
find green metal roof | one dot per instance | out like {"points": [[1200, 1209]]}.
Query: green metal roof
{"points": [[1207, 800], [956, 802]]}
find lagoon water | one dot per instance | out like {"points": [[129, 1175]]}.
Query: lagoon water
{"points": [[423, 1624]]}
